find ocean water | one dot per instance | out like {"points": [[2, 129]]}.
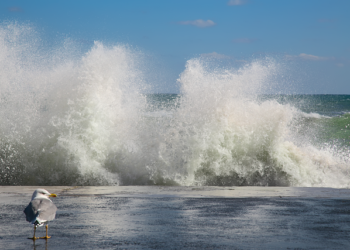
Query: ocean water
{"points": [[70, 116]]}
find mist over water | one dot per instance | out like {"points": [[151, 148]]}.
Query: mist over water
{"points": [[73, 118]]}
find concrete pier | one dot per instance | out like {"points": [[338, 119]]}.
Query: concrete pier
{"points": [[162, 217], [184, 192]]}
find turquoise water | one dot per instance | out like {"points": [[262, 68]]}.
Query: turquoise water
{"points": [[333, 124], [327, 105]]}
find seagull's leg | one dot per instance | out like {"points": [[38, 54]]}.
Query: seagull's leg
{"points": [[46, 237], [47, 228], [34, 238]]}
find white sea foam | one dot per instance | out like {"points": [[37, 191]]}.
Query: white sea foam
{"points": [[314, 115]]}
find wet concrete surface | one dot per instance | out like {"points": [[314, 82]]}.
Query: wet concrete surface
{"points": [[182, 218]]}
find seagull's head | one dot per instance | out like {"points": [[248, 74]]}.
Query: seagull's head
{"points": [[42, 194]]}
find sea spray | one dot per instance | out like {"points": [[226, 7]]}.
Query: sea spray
{"points": [[224, 135], [81, 118], [102, 120], [62, 116]]}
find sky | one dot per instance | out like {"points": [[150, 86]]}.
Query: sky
{"points": [[310, 37]]}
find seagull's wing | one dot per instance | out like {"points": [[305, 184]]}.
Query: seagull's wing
{"points": [[41, 210]]}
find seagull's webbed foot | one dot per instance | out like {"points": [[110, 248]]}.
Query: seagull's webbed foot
{"points": [[34, 238], [46, 237]]}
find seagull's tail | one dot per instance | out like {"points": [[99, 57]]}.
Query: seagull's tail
{"points": [[38, 223]]}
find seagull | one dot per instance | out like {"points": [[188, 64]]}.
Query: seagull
{"points": [[40, 210]]}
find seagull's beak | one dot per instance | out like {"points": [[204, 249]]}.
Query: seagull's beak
{"points": [[52, 195]]}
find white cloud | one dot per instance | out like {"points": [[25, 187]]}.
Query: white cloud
{"points": [[326, 20], [339, 62], [244, 40], [199, 23], [236, 2], [215, 55], [15, 9], [308, 57], [312, 57], [242, 61]]}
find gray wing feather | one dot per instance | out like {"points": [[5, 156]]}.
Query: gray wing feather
{"points": [[40, 208]]}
